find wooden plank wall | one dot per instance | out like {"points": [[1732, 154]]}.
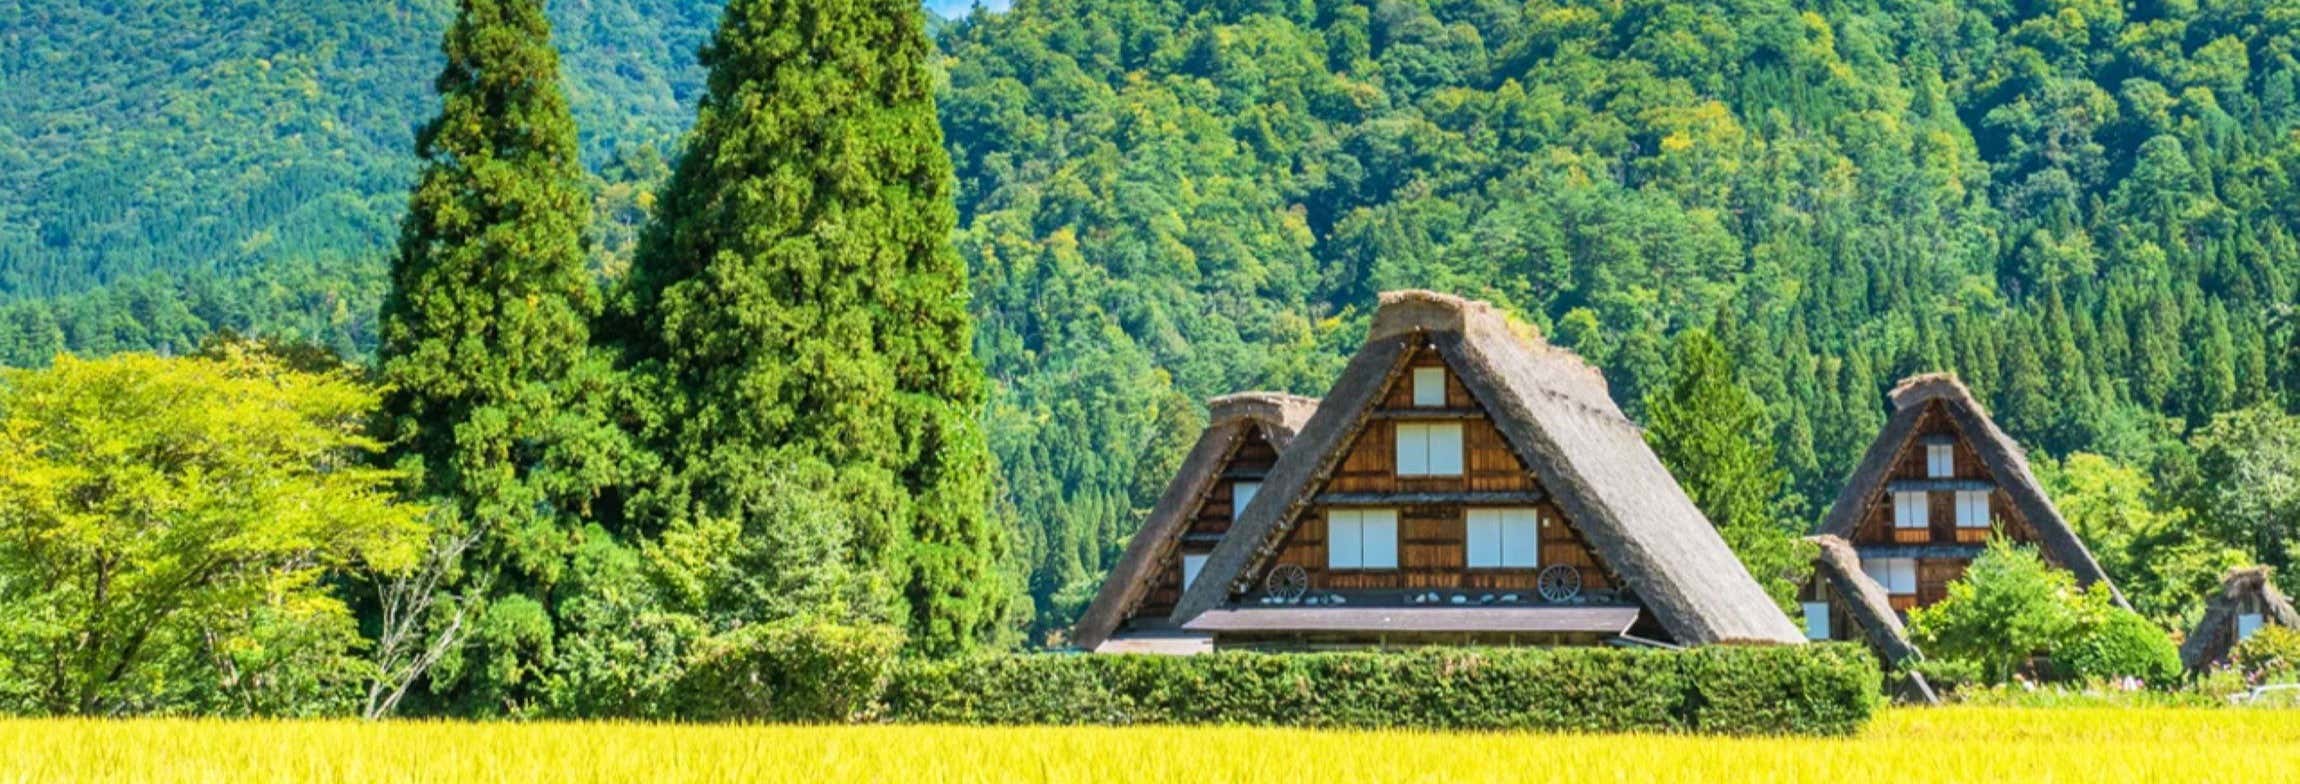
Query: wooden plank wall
{"points": [[1877, 523], [1432, 540], [1254, 454]]}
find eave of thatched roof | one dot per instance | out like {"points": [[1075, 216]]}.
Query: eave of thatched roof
{"points": [[1556, 415], [1228, 417], [2215, 633], [1418, 620], [1871, 608], [2005, 459]]}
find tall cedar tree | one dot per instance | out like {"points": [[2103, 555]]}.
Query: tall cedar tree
{"points": [[1713, 435], [799, 303], [487, 322]]}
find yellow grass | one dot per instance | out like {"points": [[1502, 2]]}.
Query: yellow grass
{"points": [[1956, 744]]}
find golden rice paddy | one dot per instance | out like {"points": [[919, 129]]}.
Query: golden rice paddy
{"points": [[1902, 745]]}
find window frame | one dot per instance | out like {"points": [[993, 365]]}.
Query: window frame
{"points": [[1241, 495], [1357, 522], [1417, 439], [1967, 518], [1428, 386], [1940, 461], [1505, 526], [1922, 515], [1820, 632]]}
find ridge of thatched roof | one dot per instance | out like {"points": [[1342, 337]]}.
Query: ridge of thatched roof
{"points": [[1555, 414], [1227, 419], [1835, 561], [2215, 633], [2005, 459]]}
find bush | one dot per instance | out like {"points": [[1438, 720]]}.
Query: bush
{"points": [[2120, 644], [801, 670], [1818, 689], [1948, 676], [2270, 655]]}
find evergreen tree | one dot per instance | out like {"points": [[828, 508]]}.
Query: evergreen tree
{"points": [[800, 304], [485, 330], [1713, 436]]}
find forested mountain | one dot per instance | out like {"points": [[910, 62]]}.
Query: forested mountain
{"points": [[2087, 209]]}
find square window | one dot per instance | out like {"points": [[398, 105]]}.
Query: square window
{"points": [[1912, 510], [1503, 538], [1429, 387], [1897, 576], [1429, 449], [1241, 494], [1362, 539], [1972, 508]]}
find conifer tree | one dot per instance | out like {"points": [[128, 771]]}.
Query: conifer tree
{"points": [[800, 306], [485, 329], [1712, 435]]}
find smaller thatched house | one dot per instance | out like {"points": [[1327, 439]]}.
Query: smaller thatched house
{"points": [[1844, 603], [1243, 436], [2246, 601], [1464, 481], [1937, 481]]}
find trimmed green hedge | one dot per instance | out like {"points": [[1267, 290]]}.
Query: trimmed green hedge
{"points": [[1826, 689]]}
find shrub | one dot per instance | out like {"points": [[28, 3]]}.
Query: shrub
{"points": [[1948, 676], [1820, 689], [2119, 643], [2008, 607], [801, 670], [2270, 655]]}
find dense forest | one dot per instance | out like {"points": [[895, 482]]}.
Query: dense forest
{"points": [[2086, 209]]}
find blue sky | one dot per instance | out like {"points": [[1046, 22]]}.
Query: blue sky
{"points": [[953, 8]]}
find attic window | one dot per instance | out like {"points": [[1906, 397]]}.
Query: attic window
{"points": [[1362, 539], [1242, 494], [1503, 539], [1429, 449], [1816, 620], [1912, 510], [1429, 387], [1972, 508], [1191, 566], [1897, 575], [1940, 461], [2246, 624]]}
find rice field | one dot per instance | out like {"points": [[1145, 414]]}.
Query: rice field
{"points": [[1949, 744]]}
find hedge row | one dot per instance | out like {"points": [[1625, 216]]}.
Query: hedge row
{"points": [[1812, 689]]}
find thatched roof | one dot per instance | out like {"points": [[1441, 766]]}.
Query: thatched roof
{"points": [[1871, 608], [1418, 620], [2246, 589], [1554, 412], [1228, 417], [2005, 459]]}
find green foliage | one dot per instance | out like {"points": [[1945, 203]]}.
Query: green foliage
{"points": [[1819, 689], [1712, 435], [791, 671], [2119, 643], [2008, 607], [798, 304], [2164, 565], [169, 528], [2270, 655]]}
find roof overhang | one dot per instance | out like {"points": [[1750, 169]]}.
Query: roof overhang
{"points": [[1158, 644], [1417, 620]]}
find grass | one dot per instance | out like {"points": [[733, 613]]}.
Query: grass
{"points": [[1949, 744]]}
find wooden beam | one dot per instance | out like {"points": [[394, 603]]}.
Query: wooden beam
{"points": [[1249, 474], [1485, 498], [1941, 485], [1426, 413]]}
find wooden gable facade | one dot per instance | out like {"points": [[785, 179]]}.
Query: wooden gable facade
{"points": [[1464, 482], [1240, 473], [1938, 482]]}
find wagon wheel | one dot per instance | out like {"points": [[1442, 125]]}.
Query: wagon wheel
{"points": [[1287, 582], [1560, 582]]}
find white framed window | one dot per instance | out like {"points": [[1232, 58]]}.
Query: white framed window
{"points": [[1503, 538], [1241, 494], [1191, 566], [1816, 620], [2246, 624], [1972, 508], [1940, 461], [1429, 449], [1912, 510], [1897, 575], [1362, 539], [1429, 387]]}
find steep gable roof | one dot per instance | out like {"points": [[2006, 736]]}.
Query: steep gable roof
{"points": [[2215, 633], [1557, 417], [2005, 459], [1229, 417]]}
